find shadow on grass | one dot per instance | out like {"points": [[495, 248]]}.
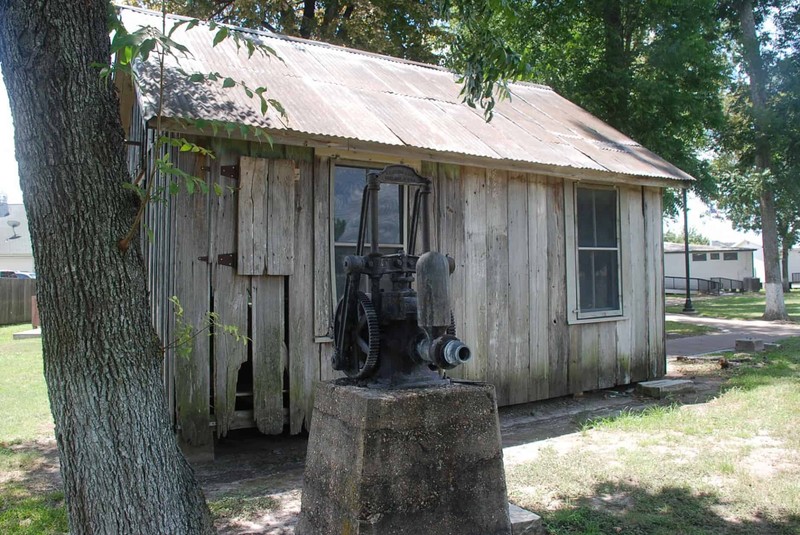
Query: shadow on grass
{"points": [[631, 510], [31, 498]]}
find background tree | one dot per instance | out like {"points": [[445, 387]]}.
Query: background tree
{"points": [[411, 29], [653, 70], [757, 161], [695, 237]]}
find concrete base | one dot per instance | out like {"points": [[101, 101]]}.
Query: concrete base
{"points": [[664, 387], [24, 335], [749, 345], [404, 462]]}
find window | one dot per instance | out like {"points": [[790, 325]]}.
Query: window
{"points": [[597, 252], [348, 188], [699, 257], [730, 256], [714, 256]]}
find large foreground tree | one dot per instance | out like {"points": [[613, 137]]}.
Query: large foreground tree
{"points": [[122, 470]]}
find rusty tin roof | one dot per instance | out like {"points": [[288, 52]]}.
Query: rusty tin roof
{"points": [[332, 93]]}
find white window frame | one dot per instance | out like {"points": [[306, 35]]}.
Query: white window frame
{"points": [[574, 315]]}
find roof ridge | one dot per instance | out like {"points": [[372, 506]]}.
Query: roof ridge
{"points": [[311, 42]]}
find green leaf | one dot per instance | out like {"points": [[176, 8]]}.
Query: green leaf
{"points": [[228, 82], [174, 188], [190, 187], [196, 77], [187, 147], [218, 190], [221, 35]]}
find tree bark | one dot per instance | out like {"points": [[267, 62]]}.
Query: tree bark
{"points": [[120, 464], [787, 284], [775, 308]]}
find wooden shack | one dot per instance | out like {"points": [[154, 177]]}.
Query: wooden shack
{"points": [[553, 218]]}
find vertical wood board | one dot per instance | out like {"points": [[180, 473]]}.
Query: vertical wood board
{"points": [[283, 176], [561, 360], [269, 352], [252, 227], [497, 265], [303, 353], [192, 280], [229, 300], [539, 288], [475, 296], [323, 298], [519, 305]]}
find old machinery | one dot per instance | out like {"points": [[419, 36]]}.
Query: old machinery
{"points": [[386, 332]]}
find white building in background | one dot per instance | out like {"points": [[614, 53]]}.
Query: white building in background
{"points": [[16, 253], [709, 261]]}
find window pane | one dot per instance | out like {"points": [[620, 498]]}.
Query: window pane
{"points": [[698, 257], [730, 256], [598, 276], [605, 217], [606, 280], [348, 189], [584, 211]]}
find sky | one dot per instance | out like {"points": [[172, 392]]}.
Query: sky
{"points": [[701, 218], [9, 180]]}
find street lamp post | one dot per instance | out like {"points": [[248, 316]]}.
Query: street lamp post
{"points": [[687, 307]]}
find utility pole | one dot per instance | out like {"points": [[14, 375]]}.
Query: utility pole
{"points": [[687, 307]]}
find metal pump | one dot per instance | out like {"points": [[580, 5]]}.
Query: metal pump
{"points": [[396, 337]]}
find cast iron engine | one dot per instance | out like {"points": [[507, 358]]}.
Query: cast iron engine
{"points": [[392, 335]]}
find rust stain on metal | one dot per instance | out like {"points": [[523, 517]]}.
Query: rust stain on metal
{"points": [[353, 95]]}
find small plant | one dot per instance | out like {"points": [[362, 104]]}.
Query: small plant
{"points": [[186, 332]]}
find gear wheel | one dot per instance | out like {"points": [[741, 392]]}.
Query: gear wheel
{"points": [[362, 339]]}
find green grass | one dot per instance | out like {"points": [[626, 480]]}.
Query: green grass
{"points": [[241, 507], [25, 513], [679, 329], [23, 394], [25, 509], [729, 466], [747, 306]]}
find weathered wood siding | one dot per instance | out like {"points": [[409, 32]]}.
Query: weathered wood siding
{"points": [[16, 300], [506, 231]]}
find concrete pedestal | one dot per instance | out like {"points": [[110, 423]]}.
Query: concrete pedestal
{"points": [[404, 462]]}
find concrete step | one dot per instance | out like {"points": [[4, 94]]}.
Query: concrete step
{"points": [[523, 522], [664, 387]]}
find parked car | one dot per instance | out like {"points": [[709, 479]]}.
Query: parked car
{"points": [[8, 274], [25, 274]]}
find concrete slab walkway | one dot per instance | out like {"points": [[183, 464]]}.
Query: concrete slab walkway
{"points": [[727, 334]]}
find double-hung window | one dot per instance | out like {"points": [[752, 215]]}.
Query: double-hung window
{"points": [[595, 254], [348, 187]]}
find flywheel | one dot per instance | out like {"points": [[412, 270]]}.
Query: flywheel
{"points": [[361, 347]]}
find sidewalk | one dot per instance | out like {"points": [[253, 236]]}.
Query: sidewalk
{"points": [[728, 332]]}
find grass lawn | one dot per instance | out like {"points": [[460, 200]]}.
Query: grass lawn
{"points": [[746, 306], [729, 466], [678, 329], [29, 503]]}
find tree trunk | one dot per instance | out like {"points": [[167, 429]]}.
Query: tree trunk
{"points": [[121, 467], [775, 308]]}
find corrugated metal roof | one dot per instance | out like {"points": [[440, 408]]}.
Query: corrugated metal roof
{"points": [[338, 93]]}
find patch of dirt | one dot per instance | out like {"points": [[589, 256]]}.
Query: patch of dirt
{"points": [[42, 473], [250, 465]]}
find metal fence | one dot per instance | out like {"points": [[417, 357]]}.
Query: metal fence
{"points": [[729, 285], [695, 285], [15, 300]]}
